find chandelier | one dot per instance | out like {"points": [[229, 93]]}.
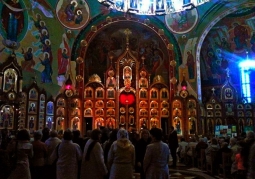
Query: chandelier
{"points": [[152, 7]]}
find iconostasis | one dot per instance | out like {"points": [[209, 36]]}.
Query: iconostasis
{"points": [[76, 64]]}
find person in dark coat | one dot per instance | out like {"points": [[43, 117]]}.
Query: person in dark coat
{"points": [[107, 145], [224, 148], [81, 142], [173, 144], [140, 149], [200, 145], [78, 139], [46, 134]]}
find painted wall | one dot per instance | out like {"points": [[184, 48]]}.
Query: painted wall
{"points": [[45, 37]]}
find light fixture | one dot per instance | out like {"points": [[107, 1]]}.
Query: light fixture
{"points": [[151, 7], [68, 87], [68, 83]]}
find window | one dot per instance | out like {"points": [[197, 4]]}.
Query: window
{"points": [[247, 68]]}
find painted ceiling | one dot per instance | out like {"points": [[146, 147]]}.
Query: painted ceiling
{"points": [[45, 35]]}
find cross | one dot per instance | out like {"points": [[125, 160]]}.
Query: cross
{"points": [[213, 90]]}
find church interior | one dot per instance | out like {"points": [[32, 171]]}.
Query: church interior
{"points": [[87, 64]]}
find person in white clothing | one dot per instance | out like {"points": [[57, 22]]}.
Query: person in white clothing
{"points": [[67, 154], [52, 142]]}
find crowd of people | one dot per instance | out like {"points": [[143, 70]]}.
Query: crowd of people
{"points": [[101, 154], [241, 150], [115, 154]]}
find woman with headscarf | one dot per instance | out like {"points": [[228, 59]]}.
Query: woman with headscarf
{"points": [[155, 163], [121, 157], [93, 166]]}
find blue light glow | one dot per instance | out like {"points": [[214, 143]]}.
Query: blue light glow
{"points": [[246, 67], [145, 6], [247, 63]]}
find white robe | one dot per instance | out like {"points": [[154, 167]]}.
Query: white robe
{"points": [[94, 168], [67, 165], [155, 162]]}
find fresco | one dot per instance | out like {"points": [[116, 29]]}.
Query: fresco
{"points": [[30, 32], [42, 36], [72, 14], [14, 22], [230, 41], [182, 22], [112, 42]]}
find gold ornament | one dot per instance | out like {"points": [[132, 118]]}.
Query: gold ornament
{"points": [[173, 63], [108, 19], [84, 43], [161, 32], [95, 78], [79, 60], [170, 46], [158, 79], [93, 28], [79, 78], [173, 80]]}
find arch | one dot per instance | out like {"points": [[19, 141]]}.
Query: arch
{"points": [[202, 38], [168, 43]]}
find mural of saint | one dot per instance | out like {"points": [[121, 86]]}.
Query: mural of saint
{"points": [[44, 35], [60, 121], [143, 83], [31, 124], [191, 65], [32, 94], [10, 78], [28, 62], [49, 108], [49, 122], [127, 73], [240, 36], [47, 72], [72, 14], [6, 117], [183, 21], [75, 124], [13, 22], [63, 62], [37, 20], [178, 127], [46, 47], [111, 81], [79, 17], [32, 108], [157, 61], [69, 11]]}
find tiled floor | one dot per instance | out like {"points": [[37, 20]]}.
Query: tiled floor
{"points": [[188, 172], [184, 172]]}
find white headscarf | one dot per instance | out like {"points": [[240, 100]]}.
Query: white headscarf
{"points": [[122, 134]]}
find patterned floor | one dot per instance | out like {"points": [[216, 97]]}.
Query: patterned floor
{"points": [[189, 174], [186, 172], [183, 172]]}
